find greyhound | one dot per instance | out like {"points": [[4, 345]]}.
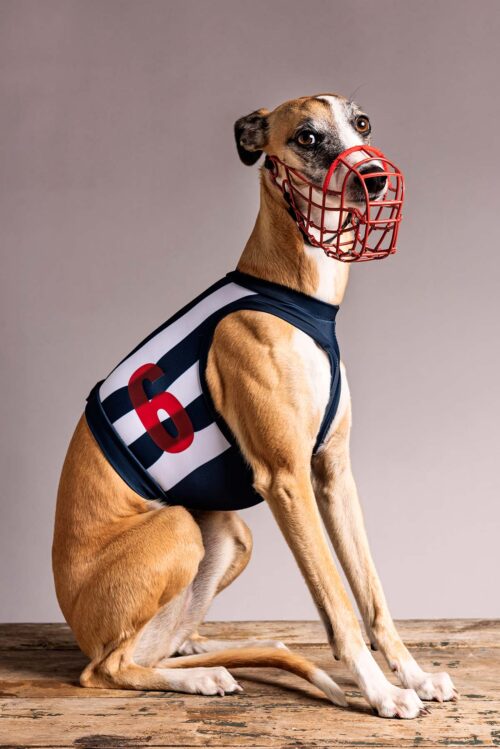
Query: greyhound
{"points": [[136, 563]]}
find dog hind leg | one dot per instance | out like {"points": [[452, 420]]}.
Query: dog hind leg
{"points": [[228, 546], [130, 662], [147, 568]]}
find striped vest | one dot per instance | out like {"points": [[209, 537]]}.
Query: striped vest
{"points": [[154, 418]]}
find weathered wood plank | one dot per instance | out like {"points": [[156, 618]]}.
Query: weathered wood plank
{"points": [[41, 704], [438, 632], [200, 721]]}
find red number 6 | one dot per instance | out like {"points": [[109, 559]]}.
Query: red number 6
{"points": [[147, 411]]}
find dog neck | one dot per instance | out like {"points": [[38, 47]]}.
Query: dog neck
{"points": [[276, 252]]}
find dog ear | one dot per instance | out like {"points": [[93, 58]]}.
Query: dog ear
{"points": [[251, 135]]}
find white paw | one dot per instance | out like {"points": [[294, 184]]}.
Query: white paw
{"points": [[216, 680], [437, 687], [399, 703]]}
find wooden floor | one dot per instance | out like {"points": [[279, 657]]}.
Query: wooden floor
{"points": [[41, 704]]}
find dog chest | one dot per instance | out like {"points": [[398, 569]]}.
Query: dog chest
{"points": [[313, 366]]}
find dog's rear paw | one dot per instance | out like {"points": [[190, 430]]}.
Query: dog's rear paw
{"points": [[208, 681]]}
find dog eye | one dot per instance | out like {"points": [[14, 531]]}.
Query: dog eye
{"points": [[306, 138], [362, 124]]}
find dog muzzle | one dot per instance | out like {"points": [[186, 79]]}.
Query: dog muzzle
{"points": [[355, 215]]}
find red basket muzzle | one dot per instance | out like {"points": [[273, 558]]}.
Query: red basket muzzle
{"points": [[356, 214]]}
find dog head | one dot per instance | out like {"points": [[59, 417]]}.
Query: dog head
{"points": [[320, 162]]}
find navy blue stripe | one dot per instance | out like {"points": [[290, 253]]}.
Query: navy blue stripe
{"points": [[275, 291], [117, 453], [223, 483], [117, 404], [333, 401], [147, 452]]}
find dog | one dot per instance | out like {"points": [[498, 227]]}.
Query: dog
{"points": [[135, 574]]}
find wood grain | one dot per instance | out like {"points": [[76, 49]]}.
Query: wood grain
{"points": [[41, 704]]}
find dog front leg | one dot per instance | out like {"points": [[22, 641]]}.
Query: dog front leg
{"points": [[341, 512], [291, 499], [263, 396]]}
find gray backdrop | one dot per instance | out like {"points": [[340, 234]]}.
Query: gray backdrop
{"points": [[122, 197]]}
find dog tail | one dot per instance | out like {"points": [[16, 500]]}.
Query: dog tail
{"points": [[265, 657]]}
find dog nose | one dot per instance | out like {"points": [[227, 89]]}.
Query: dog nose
{"points": [[374, 185]]}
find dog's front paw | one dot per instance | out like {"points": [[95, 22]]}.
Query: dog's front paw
{"points": [[399, 703], [437, 687]]}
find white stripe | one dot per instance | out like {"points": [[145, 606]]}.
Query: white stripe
{"points": [[171, 468], [185, 388], [171, 336], [129, 427]]}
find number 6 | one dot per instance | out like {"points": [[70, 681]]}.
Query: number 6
{"points": [[147, 411]]}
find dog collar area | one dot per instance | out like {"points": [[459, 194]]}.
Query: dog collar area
{"points": [[285, 294]]}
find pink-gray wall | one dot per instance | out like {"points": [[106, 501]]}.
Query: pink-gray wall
{"points": [[122, 197]]}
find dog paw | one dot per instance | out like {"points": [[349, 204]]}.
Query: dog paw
{"points": [[210, 681], [437, 687], [399, 703]]}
